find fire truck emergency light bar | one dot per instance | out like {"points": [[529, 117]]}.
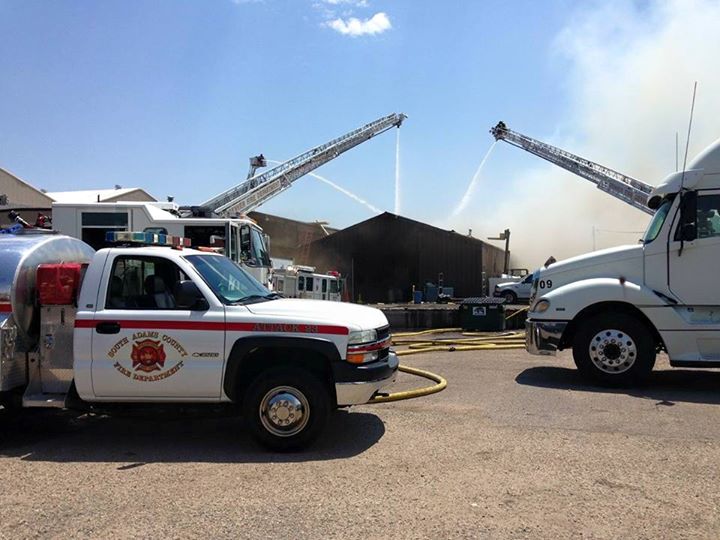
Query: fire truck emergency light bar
{"points": [[147, 239]]}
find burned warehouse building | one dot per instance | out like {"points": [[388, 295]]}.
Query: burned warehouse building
{"points": [[384, 257]]}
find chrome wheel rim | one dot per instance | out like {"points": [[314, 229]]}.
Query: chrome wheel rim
{"points": [[284, 411], [612, 351]]}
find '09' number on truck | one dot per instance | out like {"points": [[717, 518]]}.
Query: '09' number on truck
{"points": [[545, 284]]}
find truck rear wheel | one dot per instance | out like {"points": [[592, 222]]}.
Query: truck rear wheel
{"points": [[286, 409], [614, 349]]}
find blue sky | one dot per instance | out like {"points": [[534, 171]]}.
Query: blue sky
{"points": [[174, 96]]}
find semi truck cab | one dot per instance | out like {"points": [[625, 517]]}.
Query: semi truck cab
{"points": [[618, 307]]}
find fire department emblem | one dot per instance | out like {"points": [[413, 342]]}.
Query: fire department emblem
{"points": [[147, 355]]}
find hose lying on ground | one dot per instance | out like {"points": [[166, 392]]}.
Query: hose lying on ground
{"points": [[474, 342], [430, 331], [419, 392]]}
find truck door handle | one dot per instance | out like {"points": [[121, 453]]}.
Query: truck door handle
{"points": [[107, 328]]}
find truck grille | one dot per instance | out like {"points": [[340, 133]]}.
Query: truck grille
{"points": [[383, 333]]}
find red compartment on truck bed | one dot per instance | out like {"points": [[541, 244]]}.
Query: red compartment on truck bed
{"points": [[57, 284]]}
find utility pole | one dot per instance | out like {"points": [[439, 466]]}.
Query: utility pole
{"points": [[505, 235]]}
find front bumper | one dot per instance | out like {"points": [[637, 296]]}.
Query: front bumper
{"points": [[359, 391], [543, 337]]}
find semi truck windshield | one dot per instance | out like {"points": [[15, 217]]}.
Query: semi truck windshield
{"points": [[657, 221]]}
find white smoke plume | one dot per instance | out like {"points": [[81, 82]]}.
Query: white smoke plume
{"points": [[631, 73]]}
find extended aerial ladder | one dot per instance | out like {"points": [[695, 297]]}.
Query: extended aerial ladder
{"points": [[627, 189], [259, 188]]}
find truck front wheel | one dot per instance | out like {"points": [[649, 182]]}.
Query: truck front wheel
{"points": [[286, 409], [615, 349]]}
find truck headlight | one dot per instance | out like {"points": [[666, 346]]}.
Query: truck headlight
{"points": [[362, 336], [542, 306], [363, 347]]}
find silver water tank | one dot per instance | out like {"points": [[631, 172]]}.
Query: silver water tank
{"points": [[20, 255]]}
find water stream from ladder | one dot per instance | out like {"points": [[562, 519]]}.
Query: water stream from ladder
{"points": [[473, 184], [397, 173], [341, 189]]}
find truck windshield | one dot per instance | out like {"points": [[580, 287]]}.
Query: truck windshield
{"points": [[230, 283], [253, 249], [657, 221], [259, 251]]}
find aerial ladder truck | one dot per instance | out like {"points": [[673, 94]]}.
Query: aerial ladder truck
{"points": [[623, 187], [260, 188], [219, 222]]}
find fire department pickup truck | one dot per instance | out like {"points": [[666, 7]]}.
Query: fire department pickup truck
{"points": [[155, 325]]}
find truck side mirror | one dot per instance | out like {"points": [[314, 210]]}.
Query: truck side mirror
{"points": [[688, 207], [689, 232], [687, 229], [188, 296]]}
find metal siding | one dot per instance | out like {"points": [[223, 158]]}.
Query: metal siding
{"points": [[392, 253]]}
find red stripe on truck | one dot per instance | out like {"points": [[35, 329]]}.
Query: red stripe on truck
{"points": [[218, 326], [5, 308]]}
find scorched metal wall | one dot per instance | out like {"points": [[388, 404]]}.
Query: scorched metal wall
{"points": [[385, 256]]}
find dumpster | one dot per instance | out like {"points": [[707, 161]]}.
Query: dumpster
{"points": [[484, 314]]}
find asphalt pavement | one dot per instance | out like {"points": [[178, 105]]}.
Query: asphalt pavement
{"points": [[516, 447]]}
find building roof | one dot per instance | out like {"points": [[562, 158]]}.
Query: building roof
{"points": [[390, 218], [38, 196], [98, 195], [323, 225]]}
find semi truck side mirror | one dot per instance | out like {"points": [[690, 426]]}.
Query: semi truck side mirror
{"points": [[689, 232], [688, 216], [688, 207], [188, 296]]}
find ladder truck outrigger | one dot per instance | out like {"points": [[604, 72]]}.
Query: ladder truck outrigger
{"points": [[617, 308], [221, 221]]}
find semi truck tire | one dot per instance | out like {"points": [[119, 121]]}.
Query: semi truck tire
{"points": [[285, 409], [614, 349]]}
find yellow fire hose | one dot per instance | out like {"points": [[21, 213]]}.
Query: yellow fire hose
{"points": [[475, 341], [418, 392]]}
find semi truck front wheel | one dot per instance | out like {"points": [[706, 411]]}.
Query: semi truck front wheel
{"points": [[614, 348]]}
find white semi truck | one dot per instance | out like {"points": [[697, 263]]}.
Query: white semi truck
{"points": [[617, 308], [158, 325]]}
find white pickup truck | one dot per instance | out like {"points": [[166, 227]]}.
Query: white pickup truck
{"points": [[159, 325], [515, 291], [617, 308]]}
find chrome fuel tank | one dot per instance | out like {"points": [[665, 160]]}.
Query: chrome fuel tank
{"points": [[20, 255]]}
